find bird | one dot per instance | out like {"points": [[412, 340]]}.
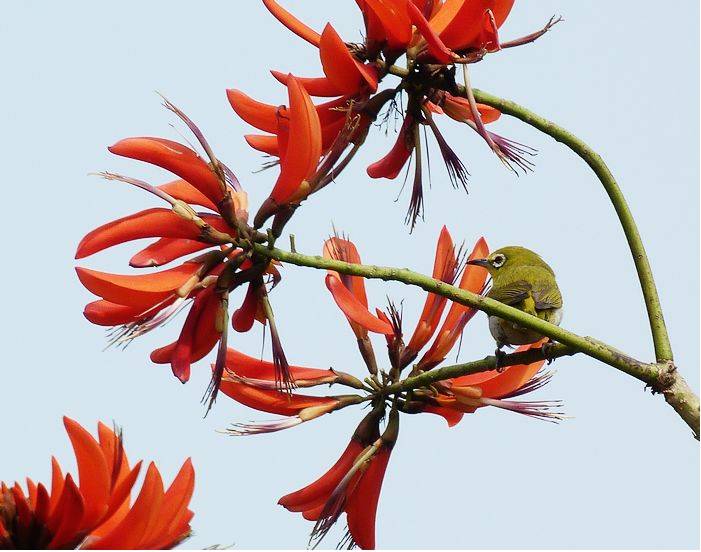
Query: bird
{"points": [[521, 279]]}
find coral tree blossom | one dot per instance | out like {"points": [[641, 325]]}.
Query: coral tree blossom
{"points": [[353, 484], [97, 511], [196, 235], [434, 37]]}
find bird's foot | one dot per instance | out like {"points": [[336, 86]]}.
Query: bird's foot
{"points": [[547, 348], [500, 356]]}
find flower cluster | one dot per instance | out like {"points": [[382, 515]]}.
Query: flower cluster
{"points": [[205, 235], [352, 485], [207, 214], [434, 37], [96, 513]]}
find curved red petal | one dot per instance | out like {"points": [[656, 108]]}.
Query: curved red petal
{"points": [[354, 309], [93, 474], [176, 158], [150, 223], [392, 163], [439, 51], [271, 401], [361, 508], [513, 377], [303, 149], [345, 72], [166, 250], [292, 23], [264, 143], [316, 494], [319, 86], [184, 191], [249, 367], [142, 290], [135, 525], [257, 114], [443, 269]]}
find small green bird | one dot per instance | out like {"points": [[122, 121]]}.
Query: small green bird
{"points": [[522, 279]]}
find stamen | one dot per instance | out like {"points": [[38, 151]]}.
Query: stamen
{"points": [[540, 410], [457, 172], [266, 426], [138, 183], [416, 205]]}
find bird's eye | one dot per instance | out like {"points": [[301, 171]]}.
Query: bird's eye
{"points": [[498, 261]]}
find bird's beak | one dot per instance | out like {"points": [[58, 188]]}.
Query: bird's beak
{"points": [[479, 262]]}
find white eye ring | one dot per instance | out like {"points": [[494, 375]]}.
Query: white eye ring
{"points": [[498, 261]]}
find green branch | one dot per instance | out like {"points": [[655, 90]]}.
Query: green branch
{"points": [[663, 349], [661, 377]]}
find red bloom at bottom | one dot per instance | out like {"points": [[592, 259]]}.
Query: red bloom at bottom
{"points": [[97, 513], [351, 485]]}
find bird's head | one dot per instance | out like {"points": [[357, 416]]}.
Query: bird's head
{"points": [[510, 257]]}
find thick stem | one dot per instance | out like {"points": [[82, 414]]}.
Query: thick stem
{"points": [[663, 349]]}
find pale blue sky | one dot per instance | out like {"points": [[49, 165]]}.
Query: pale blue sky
{"points": [[623, 473]]}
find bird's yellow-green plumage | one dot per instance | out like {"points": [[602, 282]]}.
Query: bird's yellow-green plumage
{"points": [[522, 279]]}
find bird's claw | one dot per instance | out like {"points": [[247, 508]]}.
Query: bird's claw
{"points": [[500, 356], [547, 348]]}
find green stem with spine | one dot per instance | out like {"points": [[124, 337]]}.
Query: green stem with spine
{"points": [[661, 377]]}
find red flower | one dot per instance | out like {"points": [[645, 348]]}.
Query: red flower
{"points": [[351, 485], [460, 395], [435, 36], [251, 382], [137, 304], [97, 512]]}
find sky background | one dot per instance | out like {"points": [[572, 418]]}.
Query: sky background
{"points": [[622, 473]]}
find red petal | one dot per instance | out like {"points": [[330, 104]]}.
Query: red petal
{"points": [[439, 51], [151, 223], [443, 269], [320, 86], [268, 400], [66, 519], [354, 309], [176, 158], [184, 191], [301, 155], [394, 19], [243, 318], [513, 377], [459, 22], [130, 532], [263, 142], [143, 290], [104, 313], [473, 279], [317, 493], [392, 163], [198, 336], [173, 509], [166, 250], [292, 23], [260, 115], [451, 416], [345, 250], [340, 67], [361, 508], [249, 367], [92, 472]]}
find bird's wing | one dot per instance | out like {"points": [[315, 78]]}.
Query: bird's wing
{"points": [[511, 293], [547, 297]]}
